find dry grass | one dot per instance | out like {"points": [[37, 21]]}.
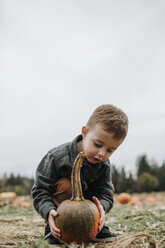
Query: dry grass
{"points": [[135, 225]]}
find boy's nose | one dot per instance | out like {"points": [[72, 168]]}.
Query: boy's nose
{"points": [[101, 154]]}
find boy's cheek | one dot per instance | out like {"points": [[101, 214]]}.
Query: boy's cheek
{"points": [[87, 148], [90, 153]]}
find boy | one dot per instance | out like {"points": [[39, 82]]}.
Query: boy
{"points": [[101, 136]]}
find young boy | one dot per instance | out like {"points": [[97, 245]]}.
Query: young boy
{"points": [[101, 136]]}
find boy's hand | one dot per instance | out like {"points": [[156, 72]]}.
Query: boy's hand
{"points": [[101, 211], [51, 219]]}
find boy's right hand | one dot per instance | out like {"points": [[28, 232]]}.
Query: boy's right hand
{"points": [[51, 219]]}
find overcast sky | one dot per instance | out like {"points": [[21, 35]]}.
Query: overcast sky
{"points": [[62, 59]]}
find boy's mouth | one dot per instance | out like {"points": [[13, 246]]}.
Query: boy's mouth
{"points": [[97, 160]]}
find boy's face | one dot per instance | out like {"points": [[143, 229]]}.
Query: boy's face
{"points": [[98, 144]]}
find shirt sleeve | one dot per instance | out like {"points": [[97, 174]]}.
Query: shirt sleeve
{"points": [[43, 188]]}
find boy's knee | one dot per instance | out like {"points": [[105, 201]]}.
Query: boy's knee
{"points": [[63, 190], [63, 185]]}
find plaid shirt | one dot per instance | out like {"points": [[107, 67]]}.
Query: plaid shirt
{"points": [[58, 163]]}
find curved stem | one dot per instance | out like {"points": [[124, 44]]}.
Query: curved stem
{"points": [[77, 194]]}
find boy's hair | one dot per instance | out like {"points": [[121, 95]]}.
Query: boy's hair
{"points": [[112, 118]]}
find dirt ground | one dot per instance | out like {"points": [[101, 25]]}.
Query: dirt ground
{"points": [[21, 226], [16, 230]]}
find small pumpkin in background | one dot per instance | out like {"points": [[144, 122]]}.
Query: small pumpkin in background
{"points": [[142, 197], [124, 198], [135, 201], [150, 199], [78, 219]]}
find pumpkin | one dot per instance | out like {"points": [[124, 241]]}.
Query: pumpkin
{"points": [[142, 197], [124, 198], [150, 199], [8, 195], [78, 219], [135, 201]]}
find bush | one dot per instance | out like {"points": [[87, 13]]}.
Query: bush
{"points": [[147, 183]]}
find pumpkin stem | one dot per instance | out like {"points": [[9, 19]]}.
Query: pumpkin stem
{"points": [[77, 194]]}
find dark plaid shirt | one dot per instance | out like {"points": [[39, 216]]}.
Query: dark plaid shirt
{"points": [[58, 163]]}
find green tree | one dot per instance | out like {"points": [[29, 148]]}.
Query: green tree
{"points": [[159, 172], [147, 182], [11, 180], [18, 184], [161, 176], [122, 184], [142, 165], [115, 177], [131, 184]]}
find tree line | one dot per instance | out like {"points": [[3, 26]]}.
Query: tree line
{"points": [[21, 185], [149, 176]]}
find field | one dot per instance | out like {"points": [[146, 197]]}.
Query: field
{"points": [[136, 225]]}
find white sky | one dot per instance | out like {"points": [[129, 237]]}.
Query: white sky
{"points": [[62, 59]]}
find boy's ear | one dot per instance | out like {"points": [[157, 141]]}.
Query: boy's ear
{"points": [[84, 131]]}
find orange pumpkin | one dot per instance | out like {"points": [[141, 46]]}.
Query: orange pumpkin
{"points": [[150, 199], [77, 219], [142, 197], [124, 198], [135, 201]]}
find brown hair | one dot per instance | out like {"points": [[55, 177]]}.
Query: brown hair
{"points": [[112, 118]]}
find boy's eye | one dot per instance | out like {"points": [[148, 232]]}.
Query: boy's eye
{"points": [[97, 145], [109, 151]]}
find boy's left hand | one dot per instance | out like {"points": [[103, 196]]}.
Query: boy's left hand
{"points": [[101, 211]]}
